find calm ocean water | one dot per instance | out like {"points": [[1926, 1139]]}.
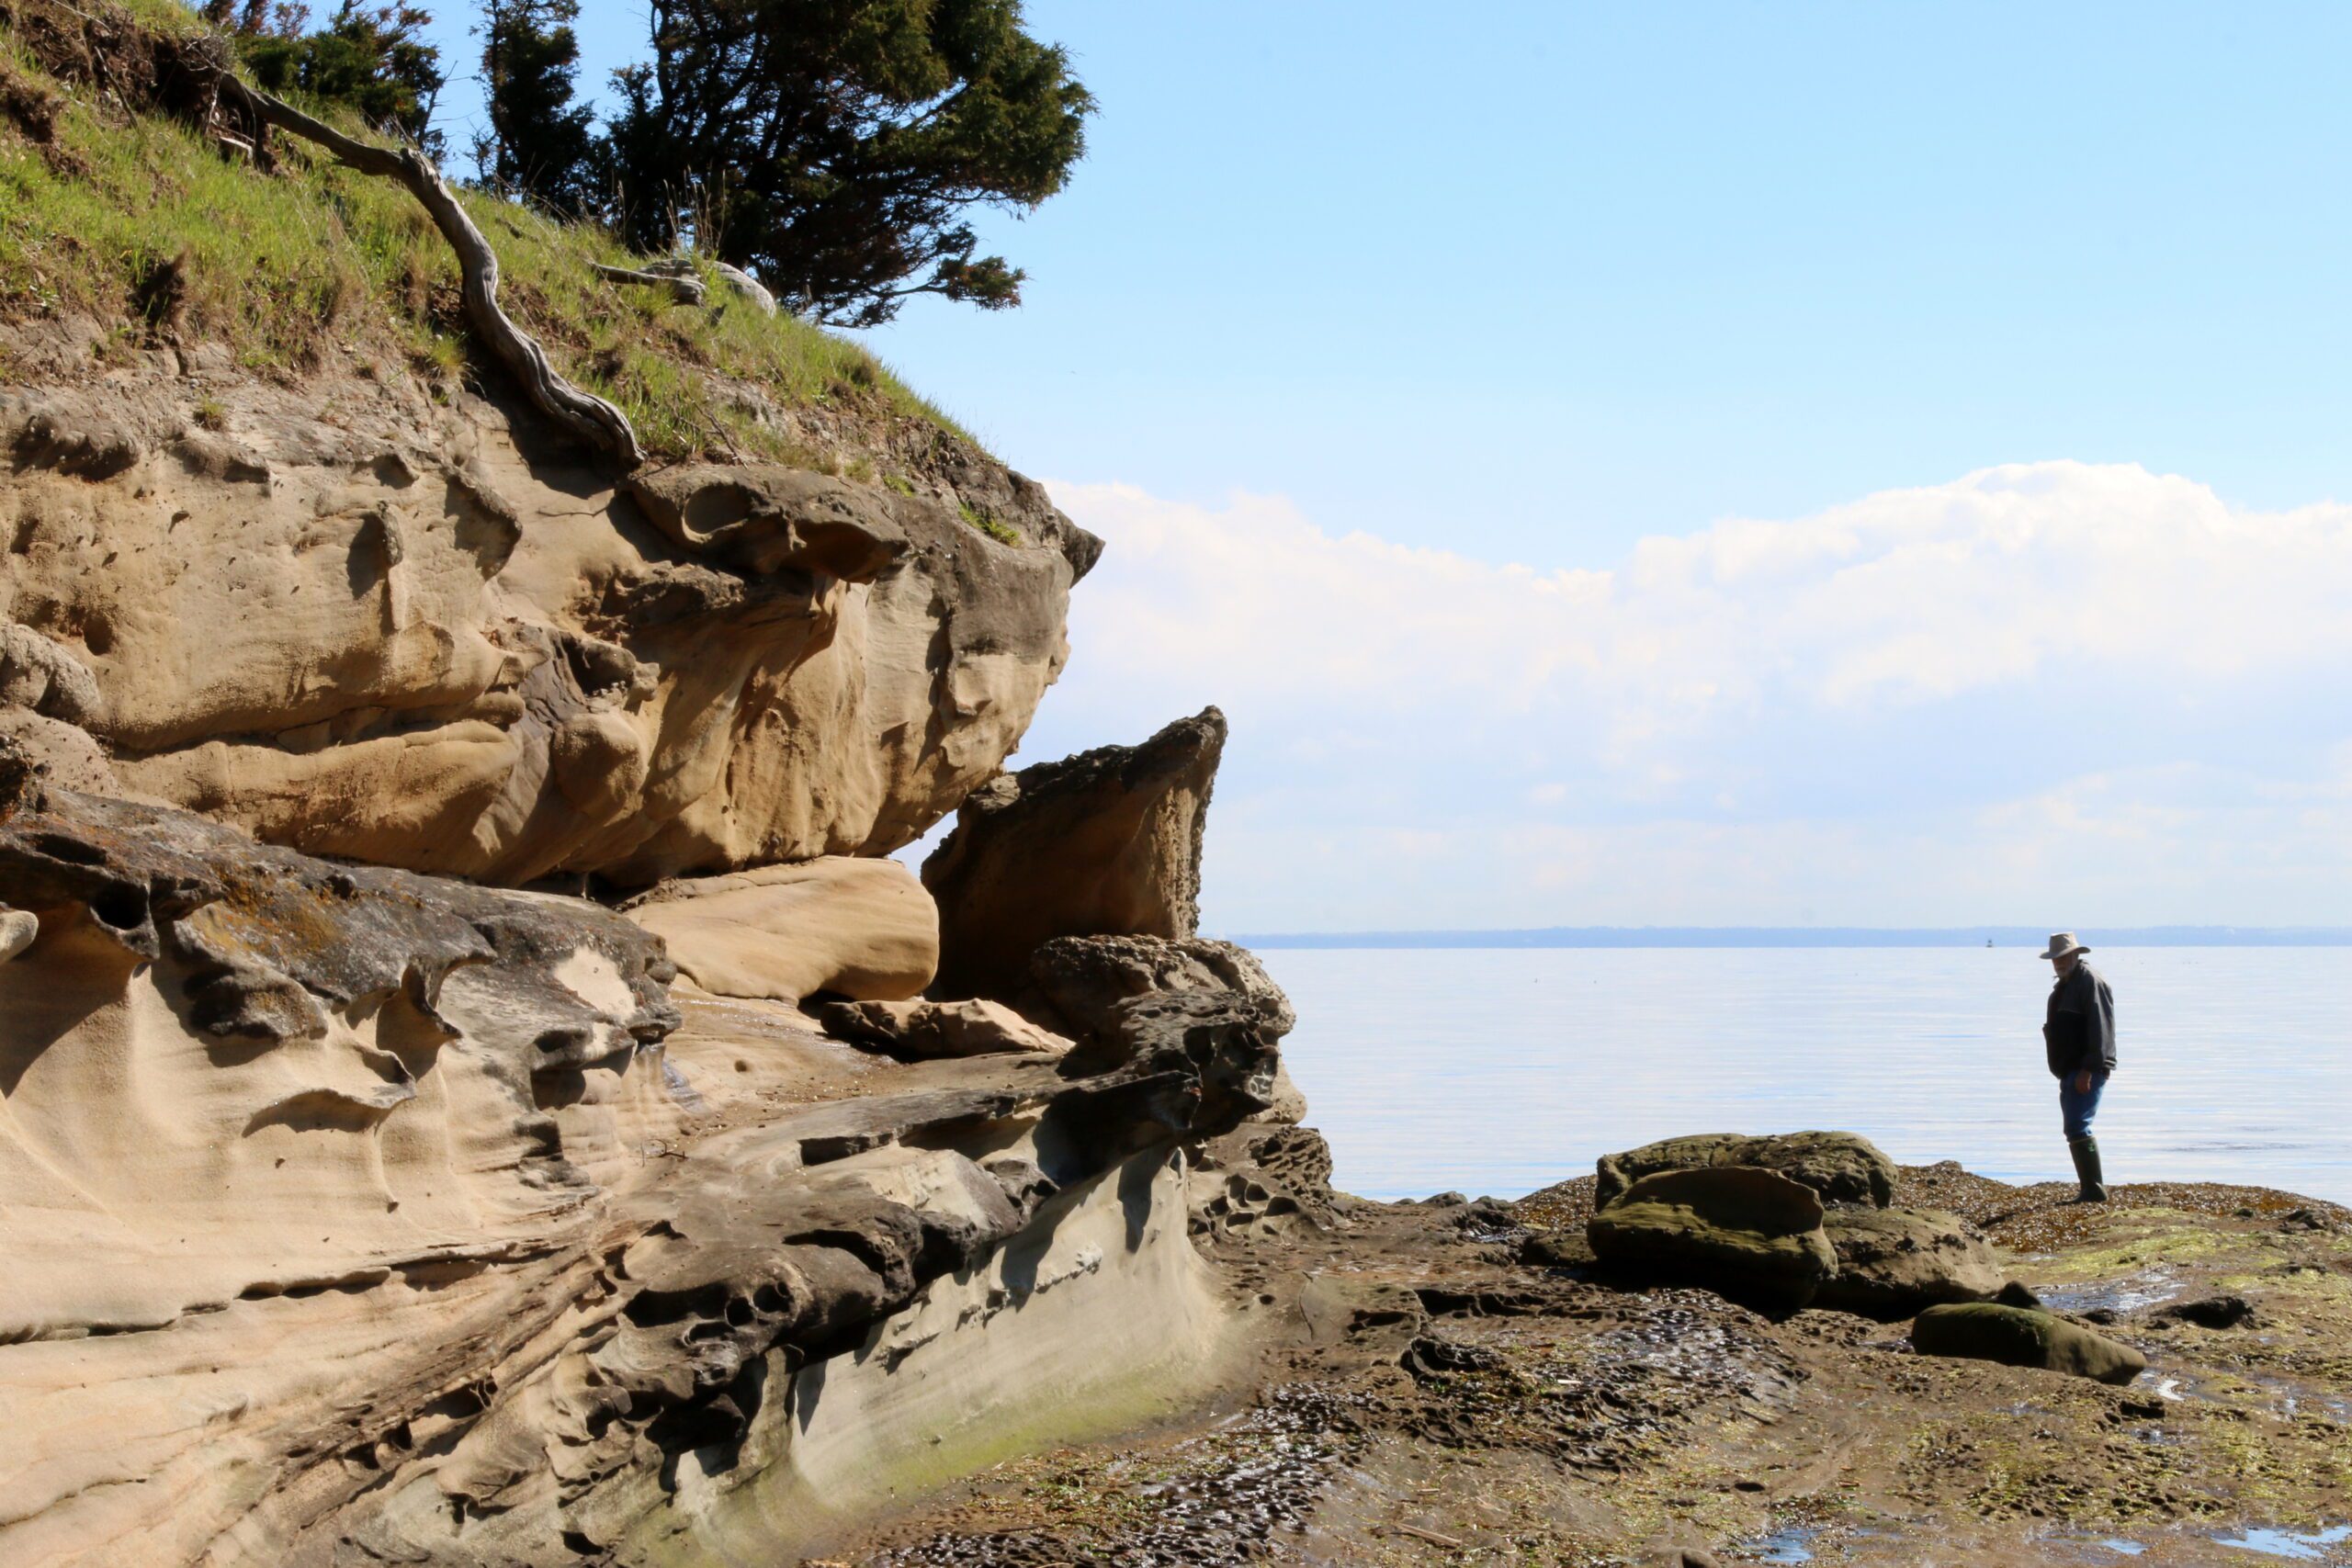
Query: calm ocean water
{"points": [[1500, 1071]]}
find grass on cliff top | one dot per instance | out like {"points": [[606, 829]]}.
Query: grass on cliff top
{"points": [[139, 224]]}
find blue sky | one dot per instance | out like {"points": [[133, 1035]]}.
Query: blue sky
{"points": [[1569, 288]]}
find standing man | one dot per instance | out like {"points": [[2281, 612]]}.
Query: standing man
{"points": [[2079, 1034]]}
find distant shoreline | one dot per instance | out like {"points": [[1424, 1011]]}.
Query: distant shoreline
{"points": [[1807, 936]]}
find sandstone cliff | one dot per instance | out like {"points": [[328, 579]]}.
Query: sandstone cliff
{"points": [[419, 834], [284, 547]]}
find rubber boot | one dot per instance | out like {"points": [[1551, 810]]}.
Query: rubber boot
{"points": [[2087, 1170]]}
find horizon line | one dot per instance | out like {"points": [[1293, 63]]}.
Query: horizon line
{"points": [[1804, 936]]}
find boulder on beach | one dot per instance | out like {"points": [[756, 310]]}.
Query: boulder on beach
{"points": [[2021, 1337], [1893, 1262], [1748, 1233], [1840, 1167]]}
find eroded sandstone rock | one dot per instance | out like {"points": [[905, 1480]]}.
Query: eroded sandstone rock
{"points": [[2023, 1336], [232, 1069], [1840, 1167], [938, 1029], [1261, 1176], [356, 1211], [396, 638], [1741, 1231], [1076, 980], [67, 755], [1082, 984], [39, 675], [1893, 1262], [861, 928], [761, 520], [1287, 1105], [1104, 843]]}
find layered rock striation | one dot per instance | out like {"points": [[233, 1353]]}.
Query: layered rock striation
{"points": [[370, 1194], [355, 1215]]}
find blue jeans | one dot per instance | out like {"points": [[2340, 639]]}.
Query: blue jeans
{"points": [[2078, 1108]]}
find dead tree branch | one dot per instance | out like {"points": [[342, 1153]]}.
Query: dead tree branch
{"points": [[685, 287], [582, 415]]}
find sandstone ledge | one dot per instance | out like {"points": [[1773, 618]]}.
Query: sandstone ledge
{"points": [[354, 1212]]}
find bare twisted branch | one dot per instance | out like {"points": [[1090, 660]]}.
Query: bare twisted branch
{"points": [[583, 414]]}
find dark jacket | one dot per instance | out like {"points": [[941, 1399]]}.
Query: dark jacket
{"points": [[2080, 1029]]}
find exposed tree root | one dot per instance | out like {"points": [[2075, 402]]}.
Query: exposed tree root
{"points": [[583, 414], [145, 71]]}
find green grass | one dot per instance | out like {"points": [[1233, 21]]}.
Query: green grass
{"points": [[143, 225], [1001, 532], [168, 16]]}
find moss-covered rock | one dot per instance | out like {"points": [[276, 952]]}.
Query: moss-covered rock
{"points": [[1751, 1234], [1893, 1262], [1840, 1167], [2020, 1337]]}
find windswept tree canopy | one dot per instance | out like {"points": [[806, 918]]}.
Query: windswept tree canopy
{"points": [[540, 145], [834, 146], [375, 57]]}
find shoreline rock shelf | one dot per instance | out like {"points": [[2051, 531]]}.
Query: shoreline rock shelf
{"points": [[1470, 1371]]}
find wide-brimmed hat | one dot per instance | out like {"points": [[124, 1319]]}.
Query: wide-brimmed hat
{"points": [[2063, 944]]}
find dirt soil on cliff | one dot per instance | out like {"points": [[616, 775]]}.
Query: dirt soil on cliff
{"points": [[1426, 1395]]}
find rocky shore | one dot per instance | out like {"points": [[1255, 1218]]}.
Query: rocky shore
{"points": [[1456, 1381]]}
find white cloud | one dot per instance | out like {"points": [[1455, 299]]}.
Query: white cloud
{"points": [[1927, 704]]}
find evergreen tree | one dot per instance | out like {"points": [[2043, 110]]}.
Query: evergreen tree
{"points": [[833, 147], [373, 58], [540, 145]]}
